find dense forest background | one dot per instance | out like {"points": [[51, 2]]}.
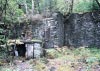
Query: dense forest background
{"points": [[17, 10]]}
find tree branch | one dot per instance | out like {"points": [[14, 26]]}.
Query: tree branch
{"points": [[97, 2]]}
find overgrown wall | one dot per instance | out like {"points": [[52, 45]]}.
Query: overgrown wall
{"points": [[51, 31], [77, 30], [83, 29]]}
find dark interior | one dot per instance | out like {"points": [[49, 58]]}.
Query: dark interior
{"points": [[21, 49]]}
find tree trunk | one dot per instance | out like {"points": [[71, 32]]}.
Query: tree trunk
{"points": [[71, 6], [98, 3], [32, 7], [37, 6], [26, 7]]}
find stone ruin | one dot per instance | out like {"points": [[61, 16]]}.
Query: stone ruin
{"points": [[72, 30], [83, 30], [75, 30], [50, 30]]}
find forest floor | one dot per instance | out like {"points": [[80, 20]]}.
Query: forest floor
{"points": [[59, 59]]}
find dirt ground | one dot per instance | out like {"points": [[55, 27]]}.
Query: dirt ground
{"points": [[82, 59]]}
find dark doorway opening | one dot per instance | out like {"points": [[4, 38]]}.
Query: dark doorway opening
{"points": [[21, 49]]}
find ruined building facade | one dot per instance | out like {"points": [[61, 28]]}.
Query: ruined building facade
{"points": [[73, 30]]}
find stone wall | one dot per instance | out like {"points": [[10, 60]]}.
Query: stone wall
{"points": [[77, 30], [51, 31], [83, 29]]}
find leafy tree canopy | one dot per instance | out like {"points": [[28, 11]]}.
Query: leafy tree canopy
{"points": [[12, 11], [16, 9]]}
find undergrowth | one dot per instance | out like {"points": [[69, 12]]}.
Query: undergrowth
{"points": [[66, 59]]}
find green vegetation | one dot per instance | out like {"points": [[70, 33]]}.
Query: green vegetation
{"points": [[65, 59], [12, 11], [85, 5], [16, 9]]}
